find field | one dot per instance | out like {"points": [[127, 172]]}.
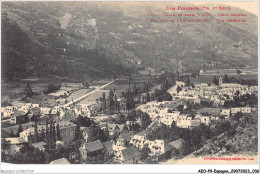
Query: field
{"points": [[15, 91], [119, 85], [123, 84], [99, 82], [207, 77], [92, 98]]}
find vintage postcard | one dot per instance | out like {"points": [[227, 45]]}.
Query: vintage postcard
{"points": [[129, 82]]}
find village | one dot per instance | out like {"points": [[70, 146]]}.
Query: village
{"points": [[164, 122]]}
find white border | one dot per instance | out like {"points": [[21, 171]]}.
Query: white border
{"points": [[103, 168]]}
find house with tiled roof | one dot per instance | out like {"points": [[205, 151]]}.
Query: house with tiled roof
{"points": [[121, 128], [129, 156], [138, 140], [226, 113], [159, 148], [4, 133], [112, 128], [188, 123], [66, 131], [29, 134], [91, 149], [124, 139], [168, 118], [19, 117], [39, 145], [15, 144], [177, 144], [7, 111], [36, 111], [108, 146], [246, 110], [85, 132], [235, 110], [45, 110], [16, 140]]}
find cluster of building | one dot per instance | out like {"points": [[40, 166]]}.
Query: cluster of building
{"points": [[20, 113], [66, 130], [218, 94], [127, 147]]}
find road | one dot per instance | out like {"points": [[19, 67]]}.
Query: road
{"points": [[84, 96]]}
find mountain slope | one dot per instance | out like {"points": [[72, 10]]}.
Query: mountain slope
{"points": [[69, 33]]}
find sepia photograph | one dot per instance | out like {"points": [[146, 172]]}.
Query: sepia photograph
{"points": [[147, 82]]}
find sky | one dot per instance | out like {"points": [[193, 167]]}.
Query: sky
{"points": [[245, 5]]}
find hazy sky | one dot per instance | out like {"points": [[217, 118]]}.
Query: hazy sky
{"points": [[245, 5]]}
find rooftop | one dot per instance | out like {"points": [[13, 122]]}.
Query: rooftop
{"points": [[39, 145], [130, 153], [126, 136], [60, 161], [108, 145], [93, 146], [211, 111], [15, 140], [177, 144]]}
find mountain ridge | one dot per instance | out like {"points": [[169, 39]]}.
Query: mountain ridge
{"points": [[122, 34]]}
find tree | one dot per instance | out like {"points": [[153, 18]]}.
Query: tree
{"points": [[47, 137], [136, 127], [145, 121], [178, 75], [120, 119], [53, 133], [132, 102], [104, 105], [237, 116], [238, 72], [19, 130], [42, 136], [116, 103], [58, 132], [215, 81], [28, 90], [237, 92], [51, 129], [178, 89], [125, 129], [156, 93], [188, 81], [36, 131], [225, 79], [111, 100], [145, 152], [51, 88], [148, 98], [131, 116], [180, 107], [167, 97], [115, 136], [83, 121], [77, 133], [86, 85], [189, 106], [96, 133], [5, 144]]}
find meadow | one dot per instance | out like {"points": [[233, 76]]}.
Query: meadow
{"points": [[207, 77]]}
